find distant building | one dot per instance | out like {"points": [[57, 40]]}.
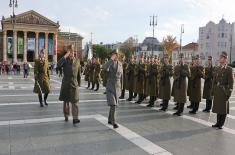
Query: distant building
{"points": [[31, 32], [215, 38], [188, 50], [151, 46]]}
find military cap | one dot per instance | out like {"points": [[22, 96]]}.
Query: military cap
{"points": [[224, 54], [209, 58]]}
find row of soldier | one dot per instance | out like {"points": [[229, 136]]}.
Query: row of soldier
{"points": [[148, 76]]}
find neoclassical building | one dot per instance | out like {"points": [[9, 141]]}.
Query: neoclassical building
{"points": [[21, 39]]}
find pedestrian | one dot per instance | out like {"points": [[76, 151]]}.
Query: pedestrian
{"points": [[26, 69], [114, 85], [42, 78], [69, 92], [222, 90]]}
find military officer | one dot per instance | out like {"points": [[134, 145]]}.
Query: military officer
{"points": [[222, 90], [181, 71], [197, 73], [190, 83], [69, 92], [131, 77], [135, 77], [92, 73], [114, 85], [42, 78], [207, 90], [141, 73], [86, 73], [153, 81], [166, 72], [97, 72]]}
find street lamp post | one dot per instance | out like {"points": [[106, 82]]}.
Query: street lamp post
{"points": [[181, 34], [153, 23]]}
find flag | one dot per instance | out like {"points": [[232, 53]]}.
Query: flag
{"points": [[90, 52]]}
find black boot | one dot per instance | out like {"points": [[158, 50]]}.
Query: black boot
{"points": [[40, 99], [164, 105], [221, 121], [93, 86], [122, 94], [195, 108], [45, 99], [130, 96], [97, 88], [208, 106], [180, 109], [151, 102], [88, 86]]}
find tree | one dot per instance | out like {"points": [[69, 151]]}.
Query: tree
{"points": [[100, 51], [169, 44], [127, 47]]}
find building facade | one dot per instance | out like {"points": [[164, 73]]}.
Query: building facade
{"points": [[188, 50], [24, 36], [215, 38]]}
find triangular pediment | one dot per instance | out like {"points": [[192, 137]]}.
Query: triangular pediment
{"points": [[32, 17]]}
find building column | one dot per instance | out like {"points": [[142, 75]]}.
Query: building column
{"points": [[25, 47], [55, 48], [4, 46], [15, 47], [36, 43], [46, 44]]}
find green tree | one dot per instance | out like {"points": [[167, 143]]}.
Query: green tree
{"points": [[100, 51], [127, 47]]}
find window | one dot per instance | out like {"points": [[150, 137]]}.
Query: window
{"points": [[222, 35]]}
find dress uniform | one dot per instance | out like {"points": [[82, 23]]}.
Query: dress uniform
{"points": [[140, 85], [97, 72], [153, 82], [114, 85], [86, 73], [207, 90], [166, 72], [131, 78], [197, 73], [42, 78], [92, 74], [222, 90], [69, 92], [181, 71], [190, 87]]}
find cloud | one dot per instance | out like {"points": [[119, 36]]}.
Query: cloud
{"points": [[98, 13]]}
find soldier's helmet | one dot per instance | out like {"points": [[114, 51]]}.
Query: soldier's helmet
{"points": [[224, 54]]}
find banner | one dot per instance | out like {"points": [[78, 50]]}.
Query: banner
{"points": [[20, 46], [50, 46], [41, 43], [10, 45], [31, 44]]}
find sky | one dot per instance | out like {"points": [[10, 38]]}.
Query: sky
{"points": [[113, 21]]}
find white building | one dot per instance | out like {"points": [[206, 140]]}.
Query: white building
{"points": [[188, 50], [215, 38]]}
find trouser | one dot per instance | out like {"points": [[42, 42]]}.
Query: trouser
{"points": [[25, 73], [135, 94], [93, 85], [208, 104], [66, 110], [88, 84], [97, 85], [112, 114], [40, 97], [221, 119]]}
